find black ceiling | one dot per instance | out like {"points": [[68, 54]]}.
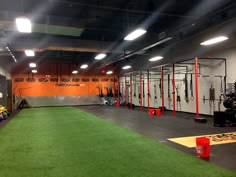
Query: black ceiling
{"points": [[107, 22]]}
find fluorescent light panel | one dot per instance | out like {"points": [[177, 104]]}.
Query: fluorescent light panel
{"points": [[75, 72], [23, 25], [100, 56], [214, 40], [156, 58], [84, 66], [34, 71], [32, 65], [109, 72], [127, 67], [135, 34], [29, 53]]}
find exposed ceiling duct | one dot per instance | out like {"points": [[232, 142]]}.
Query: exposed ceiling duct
{"points": [[45, 28]]}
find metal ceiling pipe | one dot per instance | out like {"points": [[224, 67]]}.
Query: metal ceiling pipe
{"points": [[69, 49], [137, 51]]}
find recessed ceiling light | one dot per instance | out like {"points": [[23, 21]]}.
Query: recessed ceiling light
{"points": [[29, 53], [156, 58], [135, 34], [34, 71], [84, 66], [75, 72], [127, 67], [100, 56], [109, 72], [23, 25], [214, 40], [32, 65]]}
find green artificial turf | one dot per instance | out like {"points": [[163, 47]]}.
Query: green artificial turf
{"points": [[66, 142]]}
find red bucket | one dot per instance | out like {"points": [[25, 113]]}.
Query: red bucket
{"points": [[151, 112], [117, 104], [158, 112], [203, 147]]}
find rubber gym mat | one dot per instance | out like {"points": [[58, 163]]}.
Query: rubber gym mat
{"points": [[215, 139]]}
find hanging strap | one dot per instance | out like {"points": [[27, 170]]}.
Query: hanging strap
{"points": [[169, 96], [135, 84], [160, 88], [191, 87], [186, 87]]}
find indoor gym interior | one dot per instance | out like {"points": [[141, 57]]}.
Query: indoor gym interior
{"points": [[120, 88]]}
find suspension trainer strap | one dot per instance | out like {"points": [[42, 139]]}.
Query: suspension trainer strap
{"points": [[169, 95], [186, 87], [160, 88], [191, 87]]}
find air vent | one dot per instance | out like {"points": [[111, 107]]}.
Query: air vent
{"points": [[65, 79], [75, 80], [113, 80], [95, 79], [85, 80], [53, 79], [104, 79], [30, 80], [43, 80], [19, 79]]}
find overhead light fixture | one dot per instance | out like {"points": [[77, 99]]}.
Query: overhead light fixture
{"points": [[127, 67], [32, 65], [84, 66], [29, 53], [135, 34], [34, 71], [100, 56], [156, 58], [75, 72], [23, 25], [109, 72], [214, 40]]}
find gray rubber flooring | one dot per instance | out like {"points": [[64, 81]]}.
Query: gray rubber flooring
{"points": [[166, 126]]}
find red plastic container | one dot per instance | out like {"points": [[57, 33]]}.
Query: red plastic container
{"points": [[203, 147], [158, 112], [117, 104], [151, 112]]}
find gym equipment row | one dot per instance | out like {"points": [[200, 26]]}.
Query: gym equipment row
{"points": [[190, 82]]}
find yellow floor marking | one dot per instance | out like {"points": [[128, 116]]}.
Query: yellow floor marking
{"points": [[215, 139]]}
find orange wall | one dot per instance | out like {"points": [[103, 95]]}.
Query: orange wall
{"points": [[52, 89], [55, 70]]}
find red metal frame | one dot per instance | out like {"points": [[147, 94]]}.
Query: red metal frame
{"points": [[118, 91], [141, 94], [125, 94], [131, 92], [173, 89], [114, 90], [162, 91], [148, 88], [196, 86]]}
